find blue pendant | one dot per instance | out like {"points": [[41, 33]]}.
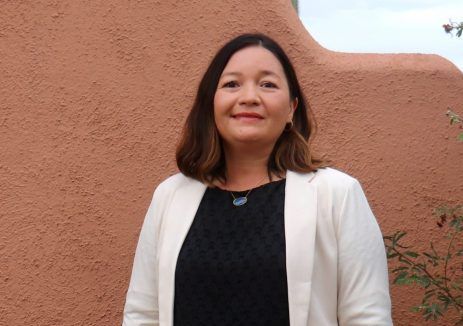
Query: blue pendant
{"points": [[240, 201]]}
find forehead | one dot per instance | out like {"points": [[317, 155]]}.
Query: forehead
{"points": [[254, 59]]}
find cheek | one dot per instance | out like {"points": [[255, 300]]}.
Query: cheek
{"points": [[215, 102], [217, 110], [221, 103], [219, 117], [281, 110], [218, 107], [222, 110]]}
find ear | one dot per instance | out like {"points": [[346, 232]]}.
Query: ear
{"points": [[293, 105]]}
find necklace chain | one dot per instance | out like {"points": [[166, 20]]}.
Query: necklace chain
{"points": [[239, 201]]}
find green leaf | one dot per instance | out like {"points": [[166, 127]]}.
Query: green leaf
{"points": [[460, 137], [445, 300], [427, 297], [400, 235], [401, 268], [438, 280], [431, 257], [434, 252], [428, 294], [421, 267], [456, 286], [425, 282], [411, 254], [403, 260], [416, 308], [418, 268], [393, 255], [456, 223], [402, 278], [433, 311]]}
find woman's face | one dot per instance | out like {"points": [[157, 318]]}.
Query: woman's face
{"points": [[252, 103]]}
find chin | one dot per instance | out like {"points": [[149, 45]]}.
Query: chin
{"points": [[249, 137], [252, 140]]}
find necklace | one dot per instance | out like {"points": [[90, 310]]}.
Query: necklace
{"points": [[240, 201]]}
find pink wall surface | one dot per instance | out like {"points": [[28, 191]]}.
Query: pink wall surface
{"points": [[94, 93]]}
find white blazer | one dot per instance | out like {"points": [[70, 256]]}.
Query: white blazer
{"points": [[335, 257]]}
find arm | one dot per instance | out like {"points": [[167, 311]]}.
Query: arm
{"points": [[363, 286], [141, 306]]}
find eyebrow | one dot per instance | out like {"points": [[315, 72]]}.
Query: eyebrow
{"points": [[261, 72]]}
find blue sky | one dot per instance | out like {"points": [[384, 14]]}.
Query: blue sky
{"points": [[385, 26]]}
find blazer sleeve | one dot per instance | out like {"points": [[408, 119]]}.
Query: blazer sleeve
{"points": [[363, 285], [141, 306]]}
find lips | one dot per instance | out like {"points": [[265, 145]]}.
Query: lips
{"points": [[247, 115]]}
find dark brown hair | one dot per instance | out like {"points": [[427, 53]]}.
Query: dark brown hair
{"points": [[200, 151]]}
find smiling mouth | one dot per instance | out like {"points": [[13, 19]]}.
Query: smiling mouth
{"points": [[247, 116]]}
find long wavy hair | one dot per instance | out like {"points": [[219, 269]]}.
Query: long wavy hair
{"points": [[200, 152]]}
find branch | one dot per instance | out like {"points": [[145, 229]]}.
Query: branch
{"points": [[445, 289]]}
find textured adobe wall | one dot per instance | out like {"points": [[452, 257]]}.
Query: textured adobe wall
{"points": [[93, 94]]}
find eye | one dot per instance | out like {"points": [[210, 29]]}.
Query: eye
{"points": [[230, 84], [269, 85]]}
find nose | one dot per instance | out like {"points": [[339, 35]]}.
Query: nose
{"points": [[249, 95]]}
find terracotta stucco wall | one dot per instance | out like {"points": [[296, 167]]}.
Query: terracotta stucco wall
{"points": [[93, 94]]}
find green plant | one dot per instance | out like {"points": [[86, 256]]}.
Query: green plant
{"points": [[455, 119], [438, 271], [439, 274], [453, 26], [296, 5], [449, 29]]}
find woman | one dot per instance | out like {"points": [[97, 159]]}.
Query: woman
{"points": [[254, 231]]}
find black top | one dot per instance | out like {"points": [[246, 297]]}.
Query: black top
{"points": [[231, 269]]}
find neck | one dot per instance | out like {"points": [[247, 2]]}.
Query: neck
{"points": [[246, 168]]}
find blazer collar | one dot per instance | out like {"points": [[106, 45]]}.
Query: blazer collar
{"points": [[300, 225]]}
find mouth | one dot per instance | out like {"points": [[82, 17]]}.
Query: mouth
{"points": [[247, 116]]}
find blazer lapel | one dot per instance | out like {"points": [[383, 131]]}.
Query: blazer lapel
{"points": [[300, 228], [177, 222]]}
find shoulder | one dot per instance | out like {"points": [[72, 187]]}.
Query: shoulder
{"points": [[332, 186], [327, 178], [334, 178], [165, 191], [337, 185], [172, 183]]}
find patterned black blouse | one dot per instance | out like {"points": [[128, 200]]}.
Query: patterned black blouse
{"points": [[231, 269]]}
